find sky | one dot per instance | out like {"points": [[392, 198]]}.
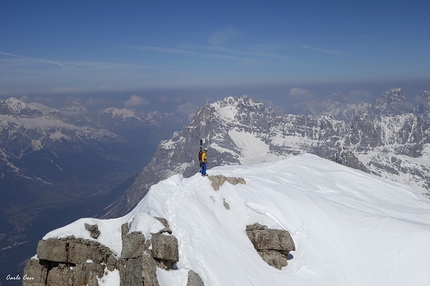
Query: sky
{"points": [[198, 51]]}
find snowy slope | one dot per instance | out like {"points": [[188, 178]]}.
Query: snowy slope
{"points": [[349, 227]]}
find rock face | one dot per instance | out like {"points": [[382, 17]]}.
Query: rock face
{"points": [[273, 245], [69, 261], [78, 261]]}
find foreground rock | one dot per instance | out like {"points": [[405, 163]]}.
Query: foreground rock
{"points": [[273, 245], [78, 261], [219, 180]]}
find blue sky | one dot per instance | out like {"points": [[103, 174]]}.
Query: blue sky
{"points": [[301, 49]]}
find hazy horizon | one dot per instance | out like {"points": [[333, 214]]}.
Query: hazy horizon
{"points": [[158, 55]]}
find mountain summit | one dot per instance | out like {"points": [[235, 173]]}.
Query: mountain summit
{"points": [[243, 131]]}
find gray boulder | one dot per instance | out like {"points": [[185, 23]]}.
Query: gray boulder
{"points": [[133, 245], [138, 271], [194, 279], [93, 229], [273, 245], [72, 250], [38, 271], [274, 258], [165, 250]]}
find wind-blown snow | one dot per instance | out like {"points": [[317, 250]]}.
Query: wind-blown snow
{"points": [[349, 227]]}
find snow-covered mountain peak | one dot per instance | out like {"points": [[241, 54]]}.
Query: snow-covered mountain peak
{"points": [[243, 109], [14, 106], [337, 97], [392, 102], [122, 113], [238, 103], [74, 109], [394, 95], [426, 96]]}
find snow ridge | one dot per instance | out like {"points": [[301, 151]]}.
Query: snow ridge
{"points": [[325, 206]]}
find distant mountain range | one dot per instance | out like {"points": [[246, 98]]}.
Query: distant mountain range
{"points": [[389, 138]]}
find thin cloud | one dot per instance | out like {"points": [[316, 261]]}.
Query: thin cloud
{"points": [[300, 93], [307, 47], [166, 50], [34, 60], [241, 59], [242, 53], [135, 101], [78, 65], [220, 38]]}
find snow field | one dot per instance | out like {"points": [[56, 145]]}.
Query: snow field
{"points": [[349, 228]]}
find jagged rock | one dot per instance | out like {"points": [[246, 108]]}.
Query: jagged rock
{"points": [[112, 262], [165, 250], [273, 245], [139, 271], [133, 245], [166, 228], [163, 221], [53, 250], [125, 228], [347, 158], [255, 226], [93, 229], [82, 250], [38, 270], [226, 205], [274, 258], [61, 275], [271, 239], [194, 279], [218, 181], [149, 271], [69, 261], [72, 250], [81, 274]]}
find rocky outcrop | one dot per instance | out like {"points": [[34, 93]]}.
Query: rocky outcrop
{"points": [[165, 250], [347, 158], [273, 245], [78, 261], [69, 261], [93, 229], [218, 181]]}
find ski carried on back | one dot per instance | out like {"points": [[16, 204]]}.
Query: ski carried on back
{"points": [[200, 152]]}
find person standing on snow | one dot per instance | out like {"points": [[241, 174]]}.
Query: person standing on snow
{"points": [[203, 163]]}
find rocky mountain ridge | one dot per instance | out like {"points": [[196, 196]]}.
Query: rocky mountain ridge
{"points": [[391, 102], [391, 141]]}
